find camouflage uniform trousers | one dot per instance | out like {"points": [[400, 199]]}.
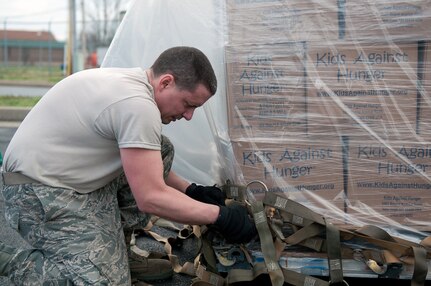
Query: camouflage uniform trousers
{"points": [[76, 239]]}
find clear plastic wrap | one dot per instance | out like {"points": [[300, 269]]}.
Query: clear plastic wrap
{"points": [[327, 102]]}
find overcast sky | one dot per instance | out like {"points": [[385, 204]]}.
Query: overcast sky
{"points": [[38, 15]]}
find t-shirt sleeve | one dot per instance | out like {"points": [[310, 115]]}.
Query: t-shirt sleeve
{"points": [[133, 122]]}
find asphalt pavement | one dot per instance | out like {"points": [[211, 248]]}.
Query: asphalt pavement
{"points": [[23, 88]]}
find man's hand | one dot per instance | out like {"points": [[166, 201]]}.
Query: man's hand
{"points": [[206, 194], [234, 224]]}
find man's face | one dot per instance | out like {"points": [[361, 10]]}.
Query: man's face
{"points": [[175, 104]]}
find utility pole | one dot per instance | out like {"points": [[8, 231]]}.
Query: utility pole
{"points": [[49, 48], [83, 34], [5, 44], [71, 43]]}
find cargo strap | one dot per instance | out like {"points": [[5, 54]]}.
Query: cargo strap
{"points": [[312, 230], [267, 245], [168, 242], [305, 218]]}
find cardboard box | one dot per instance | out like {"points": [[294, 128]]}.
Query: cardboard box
{"points": [[357, 90], [346, 87], [390, 182], [272, 21], [307, 170], [424, 91], [383, 20], [266, 90]]}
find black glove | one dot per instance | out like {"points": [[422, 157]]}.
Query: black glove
{"points": [[234, 224], [209, 195]]}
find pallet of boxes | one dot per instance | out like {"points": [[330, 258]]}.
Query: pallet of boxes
{"points": [[329, 106]]}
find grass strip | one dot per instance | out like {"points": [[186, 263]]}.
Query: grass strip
{"points": [[19, 101]]}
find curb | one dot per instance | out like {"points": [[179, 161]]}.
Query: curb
{"points": [[8, 113]]}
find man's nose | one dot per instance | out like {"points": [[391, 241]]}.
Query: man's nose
{"points": [[189, 114]]}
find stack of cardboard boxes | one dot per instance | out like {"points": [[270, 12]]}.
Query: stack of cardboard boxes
{"points": [[329, 103]]}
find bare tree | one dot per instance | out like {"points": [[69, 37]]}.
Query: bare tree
{"points": [[102, 18]]}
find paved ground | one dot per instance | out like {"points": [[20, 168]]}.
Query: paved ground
{"points": [[23, 88]]}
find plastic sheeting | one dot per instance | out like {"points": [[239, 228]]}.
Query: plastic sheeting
{"points": [[149, 28], [325, 101]]}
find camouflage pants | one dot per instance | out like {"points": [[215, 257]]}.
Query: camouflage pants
{"points": [[77, 239]]}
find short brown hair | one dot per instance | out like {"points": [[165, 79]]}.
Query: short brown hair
{"points": [[189, 66]]}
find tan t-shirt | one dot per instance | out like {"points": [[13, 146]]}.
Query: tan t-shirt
{"points": [[72, 137]]}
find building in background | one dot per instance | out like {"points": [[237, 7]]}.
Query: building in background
{"points": [[38, 48]]}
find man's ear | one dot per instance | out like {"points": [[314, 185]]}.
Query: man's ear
{"points": [[166, 80]]}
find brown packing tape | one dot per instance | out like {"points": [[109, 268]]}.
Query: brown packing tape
{"points": [[426, 242], [389, 257], [410, 260]]}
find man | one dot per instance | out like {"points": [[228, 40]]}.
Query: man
{"points": [[92, 142]]}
